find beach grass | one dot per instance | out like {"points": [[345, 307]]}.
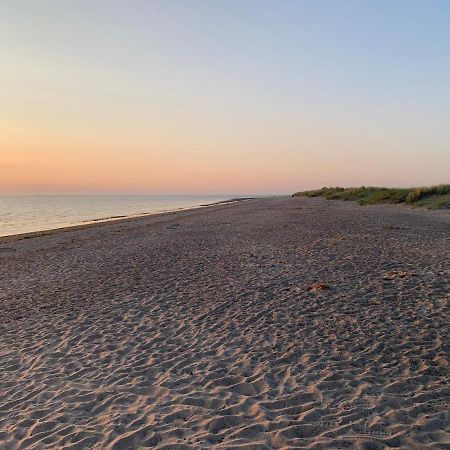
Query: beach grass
{"points": [[432, 197]]}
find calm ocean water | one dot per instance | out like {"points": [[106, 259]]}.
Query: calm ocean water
{"points": [[27, 213]]}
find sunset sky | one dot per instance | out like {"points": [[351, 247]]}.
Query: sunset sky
{"points": [[222, 96]]}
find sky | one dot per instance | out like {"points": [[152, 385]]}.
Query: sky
{"points": [[189, 96]]}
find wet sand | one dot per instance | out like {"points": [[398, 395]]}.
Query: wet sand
{"points": [[270, 323]]}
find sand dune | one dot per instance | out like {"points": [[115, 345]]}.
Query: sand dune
{"points": [[284, 323]]}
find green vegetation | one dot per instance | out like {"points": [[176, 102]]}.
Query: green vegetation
{"points": [[434, 197]]}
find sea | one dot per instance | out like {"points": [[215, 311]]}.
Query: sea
{"points": [[29, 213]]}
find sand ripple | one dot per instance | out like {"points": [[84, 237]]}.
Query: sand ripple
{"points": [[209, 335]]}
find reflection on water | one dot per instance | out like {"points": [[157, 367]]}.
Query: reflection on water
{"points": [[27, 213]]}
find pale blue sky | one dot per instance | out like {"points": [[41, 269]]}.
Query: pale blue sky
{"points": [[230, 96]]}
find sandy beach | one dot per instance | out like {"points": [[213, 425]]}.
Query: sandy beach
{"points": [[271, 323]]}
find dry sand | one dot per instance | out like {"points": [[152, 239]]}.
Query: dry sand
{"points": [[284, 323]]}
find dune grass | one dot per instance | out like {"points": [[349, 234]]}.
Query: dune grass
{"points": [[433, 197]]}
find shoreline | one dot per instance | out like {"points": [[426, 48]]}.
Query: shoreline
{"points": [[115, 219]]}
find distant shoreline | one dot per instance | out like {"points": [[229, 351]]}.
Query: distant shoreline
{"points": [[113, 219]]}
